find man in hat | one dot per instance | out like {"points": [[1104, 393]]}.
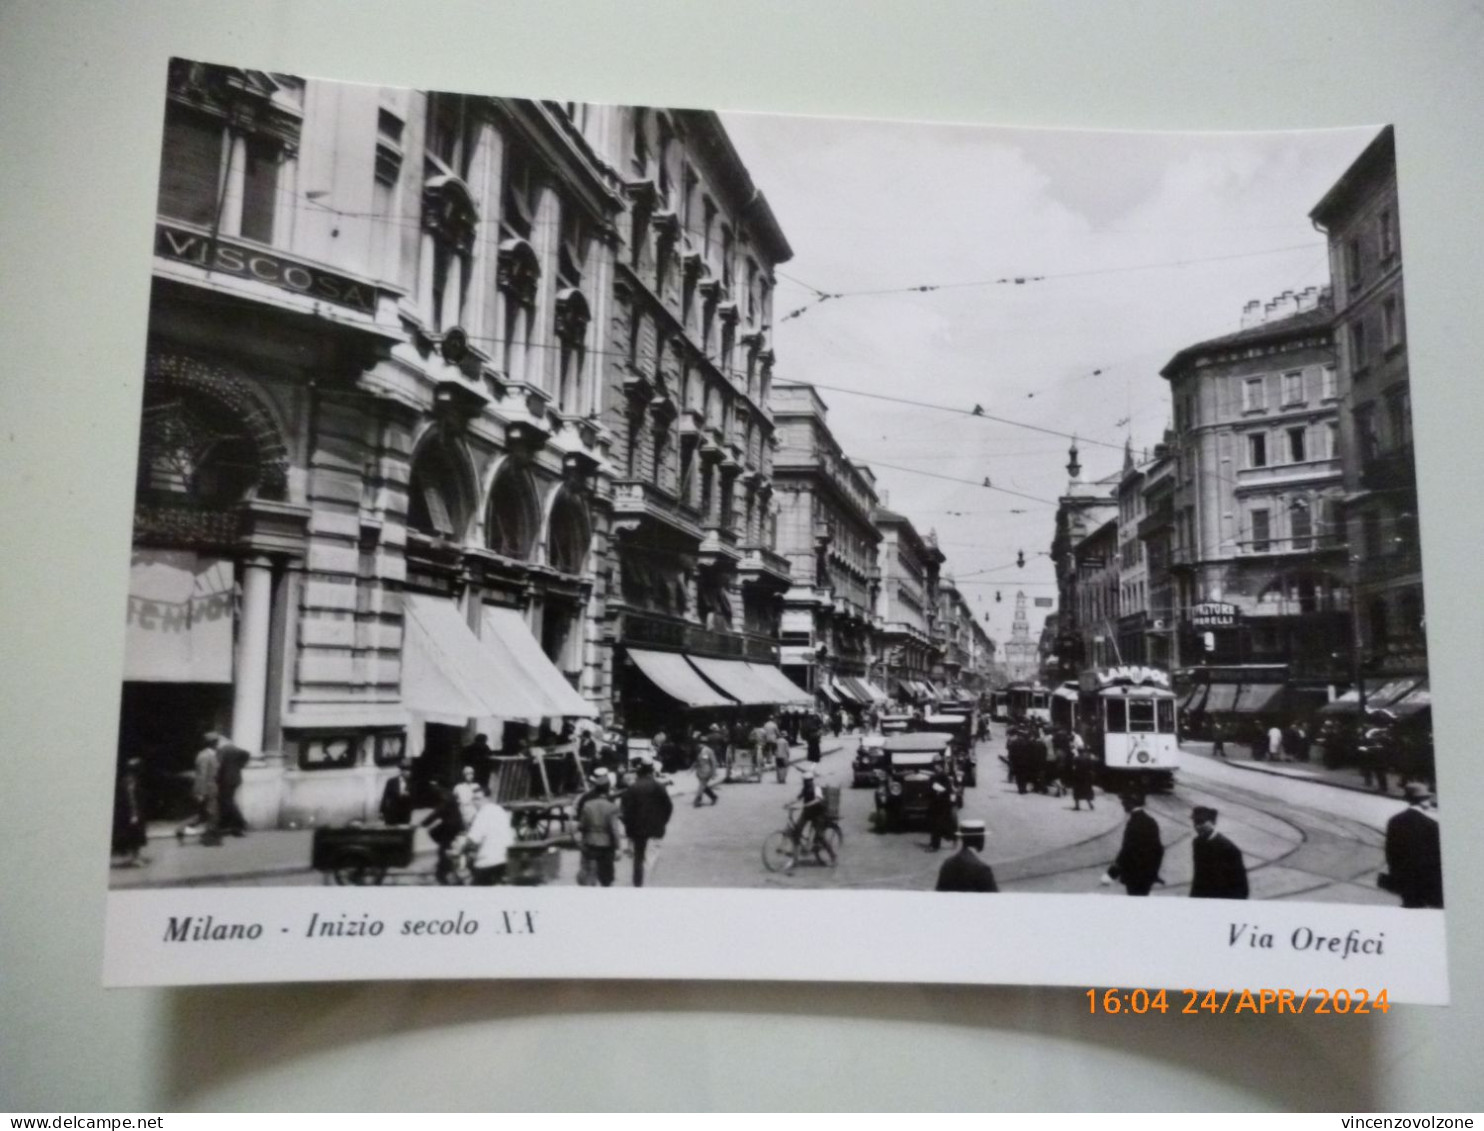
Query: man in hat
{"points": [[812, 809], [1414, 854], [646, 808], [707, 763], [964, 871], [599, 832], [396, 798], [1219, 870], [1142, 852], [941, 819]]}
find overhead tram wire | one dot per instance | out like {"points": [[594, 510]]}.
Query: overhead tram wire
{"points": [[1023, 279], [981, 414]]}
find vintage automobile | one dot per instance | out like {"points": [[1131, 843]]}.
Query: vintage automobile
{"points": [[867, 760], [895, 724], [904, 780], [961, 728]]}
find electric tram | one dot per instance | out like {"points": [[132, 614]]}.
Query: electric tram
{"points": [[1126, 715], [1030, 701]]}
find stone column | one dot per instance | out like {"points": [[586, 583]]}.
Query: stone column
{"points": [[235, 189], [250, 683]]}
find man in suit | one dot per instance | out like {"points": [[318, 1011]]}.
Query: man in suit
{"points": [[1220, 872], [1414, 855], [396, 798], [231, 759], [1137, 865], [646, 809], [964, 871]]}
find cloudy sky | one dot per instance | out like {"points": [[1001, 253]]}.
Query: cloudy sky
{"points": [[1144, 243]]}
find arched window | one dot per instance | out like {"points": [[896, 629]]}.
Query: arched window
{"points": [[514, 516], [195, 451], [568, 535], [437, 497]]}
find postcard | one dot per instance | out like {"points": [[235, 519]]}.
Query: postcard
{"points": [[599, 541]]}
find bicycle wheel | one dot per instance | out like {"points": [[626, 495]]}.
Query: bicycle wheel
{"points": [[778, 851], [827, 846]]}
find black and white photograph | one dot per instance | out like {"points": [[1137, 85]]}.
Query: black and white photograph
{"points": [[801, 516]]}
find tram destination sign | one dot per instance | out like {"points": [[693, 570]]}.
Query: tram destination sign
{"points": [[1213, 614]]}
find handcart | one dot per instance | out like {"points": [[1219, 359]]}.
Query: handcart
{"points": [[746, 764], [360, 854]]}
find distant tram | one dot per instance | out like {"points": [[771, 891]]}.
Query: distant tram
{"points": [[1030, 701], [1126, 715]]}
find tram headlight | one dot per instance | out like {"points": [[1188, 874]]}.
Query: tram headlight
{"points": [[895, 789], [1143, 756]]}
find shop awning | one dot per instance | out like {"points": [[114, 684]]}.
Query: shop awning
{"points": [[930, 689], [733, 678], [1196, 699], [1414, 702], [828, 692], [1221, 698], [673, 674], [858, 689], [847, 694], [180, 618], [449, 677], [905, 689], [506, 634], [876, 693], [786, 693], [1259, 699], [1378, 693]]}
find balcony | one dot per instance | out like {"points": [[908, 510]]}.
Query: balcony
{"points": [[1282, 547], [1390, 469], [1280, 475], [765, 567], [639, 506]]}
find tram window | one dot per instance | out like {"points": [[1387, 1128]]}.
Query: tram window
{"points": [[1038, 701], [1117, 715], [1141, 715], [1166, 716]]}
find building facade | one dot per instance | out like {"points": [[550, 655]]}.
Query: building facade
{"points": [[370, 435], [1258, 558], [1360, 216], [686, 375], [825, 530], [907, 605]]}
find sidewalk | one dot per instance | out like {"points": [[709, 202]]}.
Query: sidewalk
{"points": [[1343, 777], [266, 854]]}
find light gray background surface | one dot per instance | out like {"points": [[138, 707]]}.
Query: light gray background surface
{"points": [[80, 96]]}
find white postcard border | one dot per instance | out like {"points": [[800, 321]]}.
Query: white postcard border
{"points": [[323, 934]]}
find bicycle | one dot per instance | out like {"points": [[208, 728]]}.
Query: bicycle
{"points": [[783, 849]]}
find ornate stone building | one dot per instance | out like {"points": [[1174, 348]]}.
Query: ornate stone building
{"points": [[373, 481], [696, 584], [1258, 558], [907, 606], [1360, 215], [825, 530]]}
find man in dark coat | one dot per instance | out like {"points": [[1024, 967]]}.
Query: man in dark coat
{"points": [[964, 871], [231, 759], [481, 758], [1137, 865], [396, 798], [1414, 855], [646, 809], [1219, 870], [941, 819]]}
